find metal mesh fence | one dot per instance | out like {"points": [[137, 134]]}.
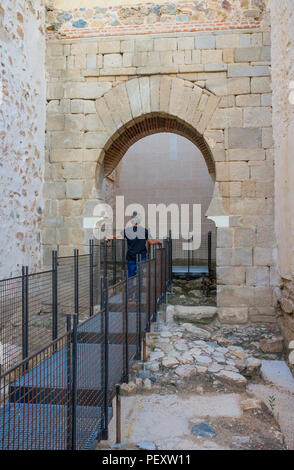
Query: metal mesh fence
{"points": [[59, 397]]}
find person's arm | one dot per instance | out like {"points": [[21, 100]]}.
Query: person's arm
{"points": [[154, 242], [114, 237]]}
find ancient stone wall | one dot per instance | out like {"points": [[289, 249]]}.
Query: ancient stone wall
{"points": [[212, 87], [22, 132], [82, 18], [282, 17]]}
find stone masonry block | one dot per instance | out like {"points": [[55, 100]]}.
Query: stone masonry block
{"points": [[235, 296], [233, 275], [74, 189], [244, 138], [89, 90], [261, 85], [112, 60], [244, 237], [248, 100], [185, 43], [108, 46], [233, 315], [224, 237], [165, 44], [246, 154], [211, 56], [262, 256], [248, 54], [205, 42], [257, 276], [258, 117], [224, 41]]}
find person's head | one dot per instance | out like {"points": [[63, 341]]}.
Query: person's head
{"points": [[135, 218]]}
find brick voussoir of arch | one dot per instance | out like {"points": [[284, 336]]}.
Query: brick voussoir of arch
{"points": [[148, 105]]}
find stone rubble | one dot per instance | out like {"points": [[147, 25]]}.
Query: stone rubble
{"points": [[184, 352]]}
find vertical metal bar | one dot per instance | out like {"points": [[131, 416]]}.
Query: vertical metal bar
{"points": [[91, 250], [124, 254], [76, 280], [25, 313], [105, 260], [149, 291], [114, 243], [98, 269], [161, 272], [155, 283], [106, 365], [209, 252], [74, 384], [68, 383], [188, 253], [138, 322], [127, 328], [54, 296], [101, 293], [118, 415], [171, 256]]}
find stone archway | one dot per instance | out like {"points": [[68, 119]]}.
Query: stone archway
{"points": [[141, 106], [147, 105]]}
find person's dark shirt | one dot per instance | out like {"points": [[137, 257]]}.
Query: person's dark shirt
{"points": [[136, 237]]}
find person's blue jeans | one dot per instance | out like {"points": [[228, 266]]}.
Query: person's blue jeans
{"points": [[132, 267]]}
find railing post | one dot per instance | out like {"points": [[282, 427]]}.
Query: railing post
{"points": [[91, 253], [155, 283], [209, 252], [170, 257], [124, 254], [161, 273], [118, 415], [188, 254], [105, 259], [139, 320], [25, 312], [126, 328], [76, 281], [68, 383], [74, 384], [106, 365], [149, 292], [114, 260], [54, 296]]}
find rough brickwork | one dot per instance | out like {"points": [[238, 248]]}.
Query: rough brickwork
{"points": [[22, 128], [85, 18], [283, 119], [214, 88]]}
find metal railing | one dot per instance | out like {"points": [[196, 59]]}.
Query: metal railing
{"points": [[59, 396]]}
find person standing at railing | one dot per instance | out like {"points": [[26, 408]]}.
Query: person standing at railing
{"points": [[136, 237]]}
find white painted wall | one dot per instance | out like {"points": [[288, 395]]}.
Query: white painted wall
{"points": [[22, 133]]}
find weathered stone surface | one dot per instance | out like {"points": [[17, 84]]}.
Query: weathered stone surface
{"points": [[194, 314], [232, 378], [272, 345], [185, 370], [86, 90], [197, 332]]}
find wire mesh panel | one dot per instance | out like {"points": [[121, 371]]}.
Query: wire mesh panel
{"points": [[132, 316], [84, 287], [36, 401], [90, 382], [193, 261], [144, 294], [10, 322], [40, 314], [65, 291], [116, 336]]}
